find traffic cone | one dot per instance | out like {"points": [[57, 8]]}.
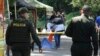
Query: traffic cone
{"points": [[50, 38]]}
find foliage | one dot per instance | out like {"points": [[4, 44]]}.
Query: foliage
{"points": [[58, 4], [41, 12], [69, 16], [95, 4], [41, 23], [11, 2]]}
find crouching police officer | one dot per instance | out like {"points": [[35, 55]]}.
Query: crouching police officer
{"points": [[83, 33], [18, 35]]}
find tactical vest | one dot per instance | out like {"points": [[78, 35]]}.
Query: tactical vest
{"points": [[20, 32]]}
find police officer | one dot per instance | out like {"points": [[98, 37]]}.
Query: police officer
{"points": [[18, 35], [83, 33]]}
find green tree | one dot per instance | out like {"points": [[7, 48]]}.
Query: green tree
{"points": [[95, 4], [58, 4]]}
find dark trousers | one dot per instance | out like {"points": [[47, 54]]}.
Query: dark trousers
{"points": [[8, 51], [57, 40], [99, 43], [20, 50], [81, 50], [99, 39]]}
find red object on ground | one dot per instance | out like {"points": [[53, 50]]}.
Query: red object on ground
{"points": [[50, 38]]}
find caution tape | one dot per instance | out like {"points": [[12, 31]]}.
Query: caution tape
{"points": [[47, 33]]}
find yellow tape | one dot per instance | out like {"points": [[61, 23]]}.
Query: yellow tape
{"points": [[46, 33]]}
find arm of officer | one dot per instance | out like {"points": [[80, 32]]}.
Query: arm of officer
{"points": [[35, 37], [69, 29], [94, 40], [8, 34]]}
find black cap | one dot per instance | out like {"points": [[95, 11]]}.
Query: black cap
{"points": [[86, 8], [23, 10]]}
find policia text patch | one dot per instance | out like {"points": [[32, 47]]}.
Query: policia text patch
{"points": [[19, 24]]}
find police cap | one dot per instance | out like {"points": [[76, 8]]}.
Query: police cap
{"points": [[23, 10]]}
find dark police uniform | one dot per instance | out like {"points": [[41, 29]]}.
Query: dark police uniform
{"points": [[83, 34], [18, 36]]}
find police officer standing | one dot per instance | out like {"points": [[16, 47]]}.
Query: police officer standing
{"points": [[18, 35], [83, 33]]}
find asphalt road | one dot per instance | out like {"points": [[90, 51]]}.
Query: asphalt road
{"points": [[64, 50]]}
